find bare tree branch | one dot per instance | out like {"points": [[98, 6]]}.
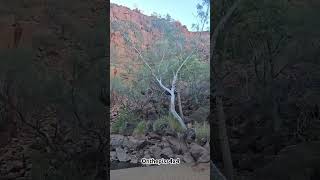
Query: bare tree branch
{"points": [[163, 86], [184, 61], [22, 118], [145, 62]]}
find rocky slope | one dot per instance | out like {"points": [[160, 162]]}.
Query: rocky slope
{"points": [[132, 149], [141, 30]]}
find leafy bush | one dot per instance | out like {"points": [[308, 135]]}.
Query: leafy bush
{"points": [[140, 128], [174, 124], [125, 122], [167, 121], [202, 130], [197, 75], [160, 124]]}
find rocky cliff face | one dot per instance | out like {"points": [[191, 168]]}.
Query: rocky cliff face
{"points": [[140, 29]]}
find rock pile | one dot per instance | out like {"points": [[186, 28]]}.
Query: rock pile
{"points": [[131, 149]]}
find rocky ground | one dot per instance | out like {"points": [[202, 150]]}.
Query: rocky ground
{"points": [[131, 149], [15, 162]]}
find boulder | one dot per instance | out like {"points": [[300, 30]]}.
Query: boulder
{"points": [[177, 146], [134, 159], [189, 135], [164, 144], [152, 135], [134, 143], [170, 132], [204, 158], [199, 153], [180, 157], [116, 140], [147, 154], [155, 151], [207, 146], [188, 158], [113, 156], [122, 155], [202, 141], [167, 153]]}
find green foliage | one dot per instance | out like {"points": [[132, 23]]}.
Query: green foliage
{"points": [[160, 123], [201, 114], [202, 130], [168, 28], [140, 129], [174, 124], [124, 27], [197, 76], [117, 85], [124, 118], [203, 15], [167, 121]]}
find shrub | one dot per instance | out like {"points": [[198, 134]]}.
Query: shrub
{"points": [[160, 124], [167, 121], [174, 124], [202, 130], [125, 122], [140, 128]]}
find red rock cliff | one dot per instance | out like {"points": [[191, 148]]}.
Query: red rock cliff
{"points": [[138, 28]]}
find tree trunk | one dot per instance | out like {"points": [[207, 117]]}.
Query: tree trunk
{"points": [[224, 143], [180, 105], [225, 148], [174, 112]]}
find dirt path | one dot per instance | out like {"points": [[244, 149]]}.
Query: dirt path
{"points": [[164, 172]]}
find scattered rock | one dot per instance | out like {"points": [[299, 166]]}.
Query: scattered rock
{"points": [[147, 154], [132, 149], [113, 156], [188, 158], [122, 155], [164, 144], [152, 135], [116, 140], [156, 151], [167, 153], [177, 146], [204, 158], [189, 135], [207, 146], [179, 156], [198, 151], [170, 132], [203, 141], [134, 159], [141, 144]]}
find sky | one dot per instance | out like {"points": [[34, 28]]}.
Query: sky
{"points": [[184, 11]]}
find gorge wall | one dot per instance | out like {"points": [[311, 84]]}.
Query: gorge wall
{"points": [[141, 30]]}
